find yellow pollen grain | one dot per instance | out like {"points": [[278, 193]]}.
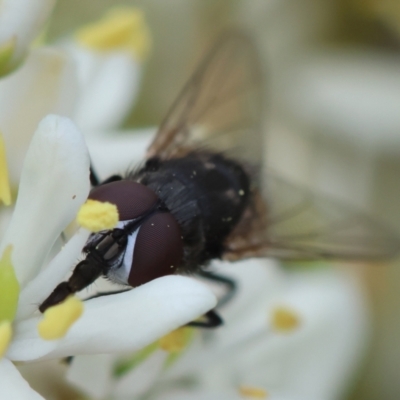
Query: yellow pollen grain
{"points": [[253, 392], [7, 50], [9, 287], [5, 191], [5, 336], [176, 341], [58, 319], [97, 216], [122, 28], [284, 320]]}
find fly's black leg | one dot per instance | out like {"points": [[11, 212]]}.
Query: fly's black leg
{"points": [[84, 274], [212, 320], [229, 284], [94, 178], [102, 294], [112, 178]]}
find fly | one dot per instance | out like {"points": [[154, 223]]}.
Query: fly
{"points": [[193, 200]]}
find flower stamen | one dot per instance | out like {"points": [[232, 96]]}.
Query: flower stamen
{"points": [[7, 50], [58, 319], [284, 319], [253, 392], [9, 287], [121, 28], [5, 336], [97, 216], [5, 192], [176, 341]]}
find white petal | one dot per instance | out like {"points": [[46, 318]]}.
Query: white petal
{"points": [[202, 394], [333, 333], [54, 183], [13, 385], [109, 86], [122, 322], [47, 83], [92, 374], [351, 94], [42, 285], [141, 379], [22, 20], [116, 152], [231, 392]]}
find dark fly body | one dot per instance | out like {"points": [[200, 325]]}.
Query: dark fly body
{"points": [[194, 198]]}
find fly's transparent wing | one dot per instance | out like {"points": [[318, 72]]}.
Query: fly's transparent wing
{"points": [[296, 224], [220, 106], [303, 225]]}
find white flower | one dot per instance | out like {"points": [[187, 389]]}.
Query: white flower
{"points": [[46, 83], [54, 183], [315, 358], [352, 94], [93, 79], [20, 23], [109, 55]]}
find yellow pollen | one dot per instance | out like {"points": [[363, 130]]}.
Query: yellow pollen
{"points": [[97, 216], [284, 319], [58, 319], [122, 28], [6, 54], [5, 192], [177, 340], [5, 336], [253, 392], [9, 287]]}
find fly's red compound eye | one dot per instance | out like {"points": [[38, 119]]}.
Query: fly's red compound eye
{"points": [[131, 198], [158, 249]]}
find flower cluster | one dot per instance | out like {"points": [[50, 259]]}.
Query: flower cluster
{"points": [[279, 329]]}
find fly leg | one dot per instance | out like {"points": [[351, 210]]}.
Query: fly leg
{"points": [[95, 180], [102, 294], [212, 318], [228, 283], [84, 274]]}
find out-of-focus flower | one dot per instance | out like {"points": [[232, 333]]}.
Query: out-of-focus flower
{"points": [[312, 354], [54, 184], [109, 55], [20, 23], [46, 83], [352, 94], [93, 78]]}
